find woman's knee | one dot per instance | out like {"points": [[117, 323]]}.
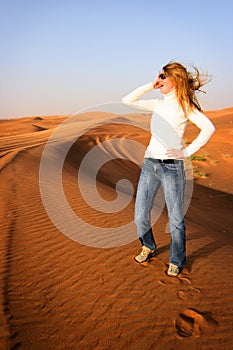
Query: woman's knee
{"points": [[142, 221]]}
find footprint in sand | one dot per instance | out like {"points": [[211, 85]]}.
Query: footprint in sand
{"points": [[183, 288], [175, 280], [185, 281], [170, 281], [193, 323], [189, 293]]}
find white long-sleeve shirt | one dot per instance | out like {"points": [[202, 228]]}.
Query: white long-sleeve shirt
{"points": [[168, 123]]}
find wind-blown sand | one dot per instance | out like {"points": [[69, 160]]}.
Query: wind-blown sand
{"points": [[56, 293]]}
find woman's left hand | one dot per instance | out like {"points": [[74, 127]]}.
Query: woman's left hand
{"points": [[175, 153]]}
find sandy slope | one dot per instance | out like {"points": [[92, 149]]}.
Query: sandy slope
{"points": [[59, 294]]}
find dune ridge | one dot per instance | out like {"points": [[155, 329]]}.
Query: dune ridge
{"points": [[58, 293]]}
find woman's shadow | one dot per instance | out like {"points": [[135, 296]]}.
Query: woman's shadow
{"points": [[200, 253], [203, 252]]}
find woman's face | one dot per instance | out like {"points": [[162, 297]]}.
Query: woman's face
{"points": [[165, 83]]}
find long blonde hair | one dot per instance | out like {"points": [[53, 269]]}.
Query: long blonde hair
{"points": [[186, 84]]}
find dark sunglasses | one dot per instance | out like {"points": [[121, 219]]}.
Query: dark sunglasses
{"points": [[162, 76]]}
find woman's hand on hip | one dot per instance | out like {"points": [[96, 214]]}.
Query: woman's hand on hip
{"points": [[175, 153]]}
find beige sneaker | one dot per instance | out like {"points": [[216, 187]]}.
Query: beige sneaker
{"points": [[173, 270], [145, 255]]}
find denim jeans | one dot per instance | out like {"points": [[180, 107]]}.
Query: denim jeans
{"points": [[172, 179]]}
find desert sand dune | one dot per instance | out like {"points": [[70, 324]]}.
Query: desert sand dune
{"points": [[57, 293]]}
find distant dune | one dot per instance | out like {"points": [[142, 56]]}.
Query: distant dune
{"points": [[62, 293]]}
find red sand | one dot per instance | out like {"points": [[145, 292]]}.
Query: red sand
{"points": [[59, 294]]}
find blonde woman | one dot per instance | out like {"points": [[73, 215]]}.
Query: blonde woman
{"points": [[163, 162]]}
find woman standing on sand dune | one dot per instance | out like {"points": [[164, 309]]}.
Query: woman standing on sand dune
{"points": [[163, 162]]}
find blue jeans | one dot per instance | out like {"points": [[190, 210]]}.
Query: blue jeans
{"points": [[172, 179]]}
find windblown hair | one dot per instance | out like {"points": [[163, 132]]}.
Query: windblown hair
{"points": [[186, 85]]}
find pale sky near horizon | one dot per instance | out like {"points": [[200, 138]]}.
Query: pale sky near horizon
{"points": [[60, 56]]}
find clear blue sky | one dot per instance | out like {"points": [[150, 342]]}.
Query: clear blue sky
{"points": [[58, 56]]}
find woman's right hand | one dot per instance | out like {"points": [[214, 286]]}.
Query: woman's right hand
{"points": [[156, 84]]}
